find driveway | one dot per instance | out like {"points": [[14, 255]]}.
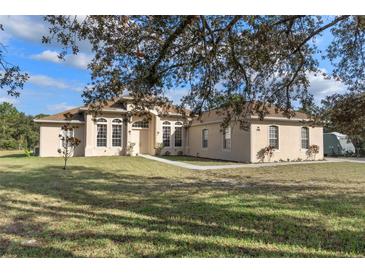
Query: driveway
{"points": [[196, 167], [346, 159]]}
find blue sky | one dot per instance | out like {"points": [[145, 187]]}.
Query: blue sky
{"points": [[55, 85]]}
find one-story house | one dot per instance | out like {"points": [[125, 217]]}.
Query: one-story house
{"points": [[114, 132]]}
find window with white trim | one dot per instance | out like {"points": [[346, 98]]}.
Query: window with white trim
{"points": [[141, 124], [274, 137], [166, 133], [178, 134], [205, 138], [227, 138], [305, 137], [102, 132], [117, 133]]}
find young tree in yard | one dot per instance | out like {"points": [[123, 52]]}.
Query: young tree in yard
{"points": [[242, 64], [346, 114], [68, 141], [11, 78]]}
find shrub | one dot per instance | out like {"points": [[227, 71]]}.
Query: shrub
{"points": [[27, 152], [167, 153], [159, 148], [130, 148], [266, 151], [312, 151], [180, 153]]}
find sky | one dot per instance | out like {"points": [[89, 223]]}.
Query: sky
{"points": [[56, 85]]}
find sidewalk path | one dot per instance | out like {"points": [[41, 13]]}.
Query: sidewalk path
{"points": [[196, 167]]}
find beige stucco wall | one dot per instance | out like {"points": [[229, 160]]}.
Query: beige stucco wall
{"points": [[50, 142], [289, 140], [240, 142], [90, 146], [244, 144]]}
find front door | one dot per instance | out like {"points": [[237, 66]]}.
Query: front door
{"points": [[143, 141]]}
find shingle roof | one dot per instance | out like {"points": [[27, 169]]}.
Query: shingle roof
{"points": [[274, 113], [76, 115]]}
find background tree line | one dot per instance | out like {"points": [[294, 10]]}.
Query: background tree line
{"points": [[17, 130]]}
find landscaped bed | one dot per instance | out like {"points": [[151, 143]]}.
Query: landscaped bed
{"points": [[197, 160], [134, 207]]}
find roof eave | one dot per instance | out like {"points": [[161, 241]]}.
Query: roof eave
{"points": [[255, 117], [58, 121]]}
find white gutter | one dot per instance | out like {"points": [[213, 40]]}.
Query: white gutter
{"points": [[252, 118], [59, 121], [109, 110], [280, 118]]}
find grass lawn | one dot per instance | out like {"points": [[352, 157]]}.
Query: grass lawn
{"points": [[133, 207], [196, 160]]}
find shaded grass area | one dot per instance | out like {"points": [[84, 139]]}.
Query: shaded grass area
{"points": [[12, 154], [196, 160], [133, 207]]}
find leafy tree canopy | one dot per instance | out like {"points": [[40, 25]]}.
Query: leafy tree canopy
{"points": [[17, 130], [225, 61], [11, 77], [346, 114]]}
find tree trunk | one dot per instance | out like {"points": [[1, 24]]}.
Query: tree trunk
{"points": [[64, 167], [358, 148]]}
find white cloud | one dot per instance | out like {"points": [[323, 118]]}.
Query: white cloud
{"points": [[59, 107], [47, 81], [4, 37], [81, 60], [8, 99], [30, 28], [322, 88], [47, 55]]}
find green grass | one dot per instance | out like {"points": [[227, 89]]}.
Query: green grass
{"points": [[196, 160], [133, 207]]}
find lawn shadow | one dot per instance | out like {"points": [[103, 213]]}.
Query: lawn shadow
{"points": [[13, 155], [169, 210]]}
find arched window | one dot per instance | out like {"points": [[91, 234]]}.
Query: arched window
{"points": [[117, 133], [305, 137], [101, 120], [140, 124], [274, 136], [102, 132], [178, 134], [117, 121], [166, 133]]}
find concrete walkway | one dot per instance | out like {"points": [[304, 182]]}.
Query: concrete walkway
{"points": [[189, 166], [196, 167], [344, 159]]}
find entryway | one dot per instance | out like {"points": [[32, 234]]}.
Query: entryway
{"points": [[143, 140]]}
